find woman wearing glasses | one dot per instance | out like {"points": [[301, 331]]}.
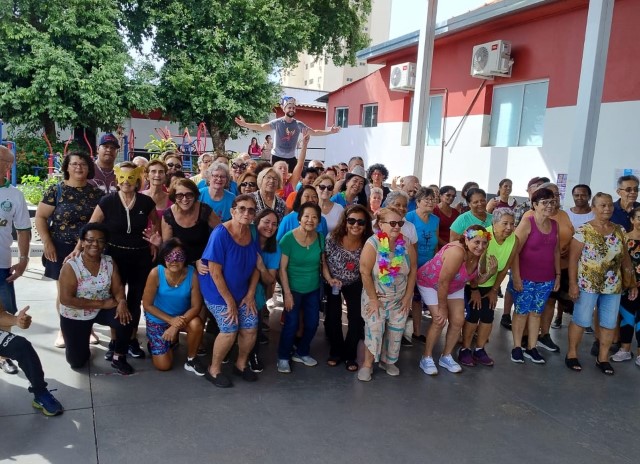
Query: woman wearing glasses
{"points": [[247, 183], [238, 167], [342, 257], [173, 161], [331, 211], [388, 271], [204, 161], [535, 271], [216, 196], [64, 209], [229, 290]]}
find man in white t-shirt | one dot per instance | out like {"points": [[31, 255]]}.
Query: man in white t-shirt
{"points": [[287, 130], [13, 213]]}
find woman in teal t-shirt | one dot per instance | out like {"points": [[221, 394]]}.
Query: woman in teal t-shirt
{"points": [[477, 200], [300, 265]]}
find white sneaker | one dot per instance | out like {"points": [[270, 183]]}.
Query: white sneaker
{"points": [[391, 369], [638, 361], [364, 374], [449, 364], [59, 343], [428, 366], [621, 355], [306, 360], [283, 366]]}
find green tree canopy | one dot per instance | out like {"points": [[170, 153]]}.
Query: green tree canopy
{"points": [[64, 62], [219, 54]]}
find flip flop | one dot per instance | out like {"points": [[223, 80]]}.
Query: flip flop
{"points": [[605, 367], [333, 362], [573, 364], [352, 366]]}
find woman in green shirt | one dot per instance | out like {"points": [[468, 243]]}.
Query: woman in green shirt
{"points": [[481, 299], [302, 250], [477, 200]]}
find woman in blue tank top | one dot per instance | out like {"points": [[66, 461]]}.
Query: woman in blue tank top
{"points": [[172, 303]]}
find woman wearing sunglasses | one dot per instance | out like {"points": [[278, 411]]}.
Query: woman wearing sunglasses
{"points": [[238, 167], [172, 303], [229, 290], [441, 284], [388, 271], [342, 257], [331, 211], [173, 161], [247, 183]]}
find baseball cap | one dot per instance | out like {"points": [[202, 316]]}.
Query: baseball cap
{"points": [[109, 138]]}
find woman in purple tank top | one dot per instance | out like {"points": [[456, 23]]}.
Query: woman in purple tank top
{"points": [[535, 271]]}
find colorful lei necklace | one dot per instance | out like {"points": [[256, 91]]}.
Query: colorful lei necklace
{"points": [[389, 268]]}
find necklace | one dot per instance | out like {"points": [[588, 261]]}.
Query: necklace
{"points": [[178, 281], [388, 269], [127, 208]]}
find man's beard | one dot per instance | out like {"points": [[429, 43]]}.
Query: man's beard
{"points": [[290, 114]]}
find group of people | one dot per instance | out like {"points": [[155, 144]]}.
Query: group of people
{"points": [[128, 240]]}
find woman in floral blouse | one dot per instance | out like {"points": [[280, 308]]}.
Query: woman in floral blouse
{"points": [[597, 260], [343, 249]]}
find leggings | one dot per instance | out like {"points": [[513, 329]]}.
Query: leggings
{"points": [[340, 347], [20, 349], [630, 319], [76, 336]]}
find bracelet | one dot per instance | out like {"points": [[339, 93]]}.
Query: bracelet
{"points": [[23, 258]]}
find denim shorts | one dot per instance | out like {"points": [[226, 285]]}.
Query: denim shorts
{"points": [[533, 297], [607, 306], [7, 293], [246, 319]]}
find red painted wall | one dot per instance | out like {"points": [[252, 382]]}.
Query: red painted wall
{"points": [[546, 43], [314, 118]]}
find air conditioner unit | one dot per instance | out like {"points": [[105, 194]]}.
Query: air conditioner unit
{"points": [[492, 59], [403, 77]]}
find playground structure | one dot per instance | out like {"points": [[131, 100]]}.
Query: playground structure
{"points": [[11, 145], [189, 149]]}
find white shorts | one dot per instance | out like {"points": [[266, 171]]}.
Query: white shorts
{"points": [[430, 295]]}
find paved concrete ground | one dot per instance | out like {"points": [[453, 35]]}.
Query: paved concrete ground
{"points": [[523, 413]]}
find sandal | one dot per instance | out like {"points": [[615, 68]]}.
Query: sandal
{"points": [[605, 367], [333, 362], [352, 366], [573, 364]]}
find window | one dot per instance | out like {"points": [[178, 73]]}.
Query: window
{"points": [[349, 79], [312, 64], [305, 82], [306, 66], [342, 117], [517, 115], [434, 121], [370, 115], [311, 81]]}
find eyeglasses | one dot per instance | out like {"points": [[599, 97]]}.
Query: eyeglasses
{"points": [[354, 221], [393, 224], [239, 166], [78, 165], [244, 209], [325, 187], [248, 184], [428, 200], [630, 189], [217, 176], [174, 165], [185, 196], [92, 241], [548, 202]]}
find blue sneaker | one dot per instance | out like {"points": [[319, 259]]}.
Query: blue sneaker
{"points": [[47, 403], [516, 355]]}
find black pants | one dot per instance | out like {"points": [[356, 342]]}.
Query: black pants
{"points": [[340, 347], [20, 349], [291, 162], [76, 336], [630, 323], [134, 267]]}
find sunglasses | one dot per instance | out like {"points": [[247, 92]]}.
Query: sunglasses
{"points": [[325, 187], [393, 224], [183, 196], [172, 165], [344, 170], [238, 166], [630, 189], [248, 184], [354, 221], [244, 209]]}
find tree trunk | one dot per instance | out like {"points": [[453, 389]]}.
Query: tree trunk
{"points": [[49, 127], [218, 138], [79, 138]]}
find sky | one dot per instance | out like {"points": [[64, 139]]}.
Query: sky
{"points": [[405, 17]]}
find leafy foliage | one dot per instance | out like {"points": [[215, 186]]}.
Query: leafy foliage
{"points": [[219, 54], [33, 188], [156, 146]]}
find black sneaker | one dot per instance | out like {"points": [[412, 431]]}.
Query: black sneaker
{"points": [[589, 330], [122, 366], [109, 354], [220, 380], [406, 342], [516, 355], [419, 338], [534, 356], [247, 374], [47, 403], [194, 365], [544, 341], [556, 324], [255, 364], [505, 321], [135, 351]]}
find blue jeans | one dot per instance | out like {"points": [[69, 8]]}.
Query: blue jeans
{"points": [[309, 305], [7, 293]]}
